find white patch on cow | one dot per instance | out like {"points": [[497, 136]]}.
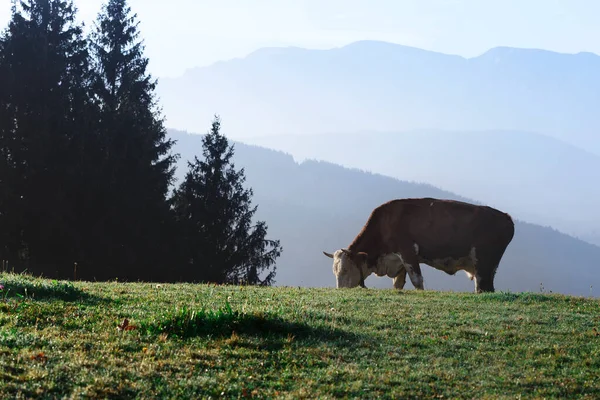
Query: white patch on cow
{"points": [[452, 265], [416, 246], [390, 264], [449, 265], [381, 266]]}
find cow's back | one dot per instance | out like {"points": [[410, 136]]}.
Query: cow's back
{"points": [[449, 227]]}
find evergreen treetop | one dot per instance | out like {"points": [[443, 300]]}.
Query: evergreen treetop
{"points": [[216, 217]]}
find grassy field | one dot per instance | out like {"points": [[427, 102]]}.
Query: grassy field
{"points": [[115, 340]]}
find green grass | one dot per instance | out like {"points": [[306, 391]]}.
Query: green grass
{"points": [[61, 339]]}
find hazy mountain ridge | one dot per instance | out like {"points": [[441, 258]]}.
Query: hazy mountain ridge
{"points": [[541, 179], [381, 86], [314, 206]]}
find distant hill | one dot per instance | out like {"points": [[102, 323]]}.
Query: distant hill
{"points": [[378, 86], [314, 206], [540, 179]]}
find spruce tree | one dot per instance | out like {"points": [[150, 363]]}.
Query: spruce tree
{"points": [[43, 120], [220, 243], [136, 168]]}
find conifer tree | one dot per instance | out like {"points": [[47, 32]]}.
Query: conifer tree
{"points": [[213, 209], [43, 118], [136, 166]]}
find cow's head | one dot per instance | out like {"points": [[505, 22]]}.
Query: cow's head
{"points": [[349, 268]]}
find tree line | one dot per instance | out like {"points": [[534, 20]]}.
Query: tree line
{"points": [[87, 186]]}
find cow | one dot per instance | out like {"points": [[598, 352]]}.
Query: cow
{"points": [[447, 235]]}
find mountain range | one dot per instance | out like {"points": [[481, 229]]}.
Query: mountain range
{"points": [[379, 86]]}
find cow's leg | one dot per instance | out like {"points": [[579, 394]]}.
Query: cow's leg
{"points": [[483, 283], [400, 279], [486, 265], [411, 263], [484, 278]]}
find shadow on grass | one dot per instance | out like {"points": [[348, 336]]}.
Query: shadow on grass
{"points": [[548, 388], [522, 297], [25, 286], [186, 323]]}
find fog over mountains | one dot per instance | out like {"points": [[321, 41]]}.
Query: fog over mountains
{"points": [[516, 129]]}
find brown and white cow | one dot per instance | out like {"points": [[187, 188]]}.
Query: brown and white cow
{"points": [[445, 234]]}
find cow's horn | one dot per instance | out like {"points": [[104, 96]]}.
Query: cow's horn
{"points": [[328, 255]]}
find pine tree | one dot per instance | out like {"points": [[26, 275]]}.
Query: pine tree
{"points": [[136, 167], [43, 120], [214, 213]]}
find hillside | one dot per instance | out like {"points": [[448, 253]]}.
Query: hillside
{"points": [[115, 340], [314, 206], [540, 179], [378, 86]]}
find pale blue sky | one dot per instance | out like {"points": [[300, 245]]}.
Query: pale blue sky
{"points": [[181, 34]]}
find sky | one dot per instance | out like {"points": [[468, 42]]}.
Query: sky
{"points": [[182, 34]]}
